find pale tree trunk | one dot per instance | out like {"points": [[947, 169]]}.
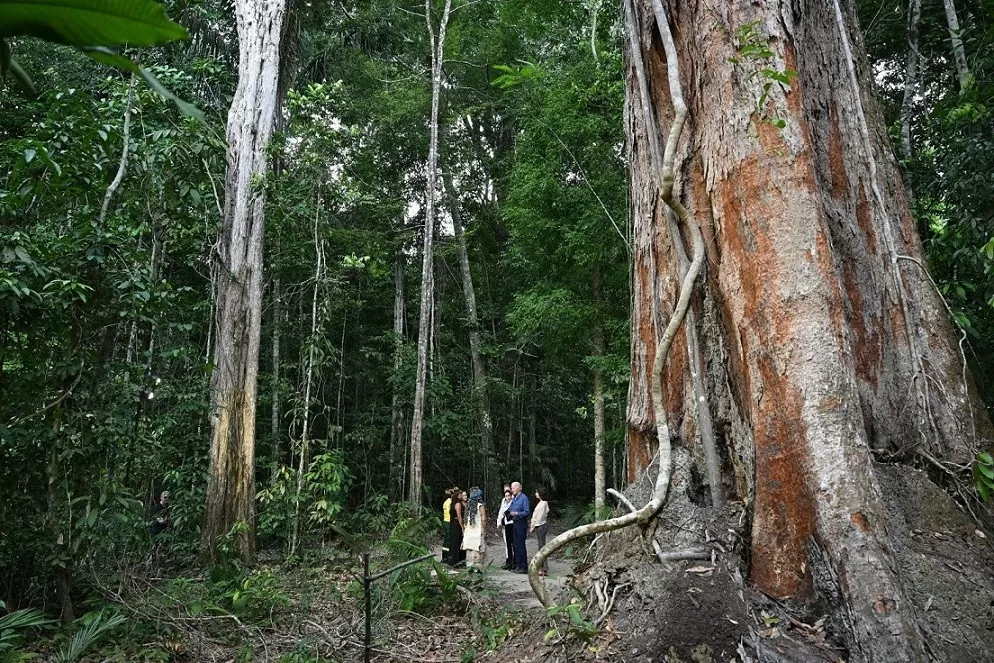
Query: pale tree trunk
{"points": [[956, 39], [274, 424], [830, 342], [475, 342], [397, 454], [910, 78], [231, 484], [62, 572], [600, 484], [427, 275], [308, 379]]}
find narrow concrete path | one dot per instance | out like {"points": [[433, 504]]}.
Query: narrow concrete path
{"points": [[514, 587]]}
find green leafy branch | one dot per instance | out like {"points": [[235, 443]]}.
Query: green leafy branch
{"points": [[92, 26], [983, 475], [754, 49]]}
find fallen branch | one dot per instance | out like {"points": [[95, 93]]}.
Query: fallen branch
{"points": [[643, 516], [678, 555]]}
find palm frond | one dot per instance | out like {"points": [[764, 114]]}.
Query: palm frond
{"points": [[86, 637]]}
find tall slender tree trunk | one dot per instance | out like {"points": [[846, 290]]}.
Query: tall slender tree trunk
{"points": [[308, 379], [62, 572], [956, 39], [482, 392], [274, 423], [397, 452], [231, 484], [600, 484], [910, 77], [427, 273], [829, 340]]}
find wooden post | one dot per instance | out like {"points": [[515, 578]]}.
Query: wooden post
{"points": [[366, 583]]}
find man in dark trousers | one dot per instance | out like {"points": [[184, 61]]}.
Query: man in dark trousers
{"points": [[519, 509]]}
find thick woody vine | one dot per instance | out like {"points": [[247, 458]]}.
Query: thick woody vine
{"points": [[664, 168]]}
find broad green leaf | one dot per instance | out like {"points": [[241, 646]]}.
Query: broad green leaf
{"points": [[985, 458], [89, 22], [988, 249]]}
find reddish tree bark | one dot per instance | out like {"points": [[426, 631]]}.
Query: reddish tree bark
{"points": [[824, 340]]}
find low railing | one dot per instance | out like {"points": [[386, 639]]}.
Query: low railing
{"points": [[367, 583]]}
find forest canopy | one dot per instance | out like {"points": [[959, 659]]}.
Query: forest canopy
{"points": [[305, 266]]}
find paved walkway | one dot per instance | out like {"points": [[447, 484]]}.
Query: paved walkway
{"points": [[514, 586]]}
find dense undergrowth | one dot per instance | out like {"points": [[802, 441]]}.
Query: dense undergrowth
{"points": [[159, 605]]}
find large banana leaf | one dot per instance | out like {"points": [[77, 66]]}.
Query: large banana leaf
{"points": [[89, 22]]}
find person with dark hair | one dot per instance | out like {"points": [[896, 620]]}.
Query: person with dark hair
{"points": [[505, 528], [474, 536], [456, 514], [447, 521], [519, 509], [540, 524]]}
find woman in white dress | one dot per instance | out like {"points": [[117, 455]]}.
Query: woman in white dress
{"points": [[474, 537]]}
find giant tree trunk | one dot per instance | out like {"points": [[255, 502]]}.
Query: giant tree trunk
{"points": [[829, 343], [427, 274], [231, 485]]}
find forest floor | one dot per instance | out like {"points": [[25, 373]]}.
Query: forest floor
{"points": [[627, 607], [311, 609]]}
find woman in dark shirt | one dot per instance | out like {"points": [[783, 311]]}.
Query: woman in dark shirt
{"points": [[456, 513]]}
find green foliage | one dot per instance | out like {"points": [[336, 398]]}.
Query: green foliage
{"points": [[755, 52], [496, 628], [92, 25], [90, 22], [256, 596], [321, 498], [568, 621], [12, 627], [583, 513], [93, 626], [983, 475]]}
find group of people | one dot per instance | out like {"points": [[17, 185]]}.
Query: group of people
{"points": [[464, 517]]}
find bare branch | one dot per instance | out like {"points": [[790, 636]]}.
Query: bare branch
{"points": [[126, 138]]}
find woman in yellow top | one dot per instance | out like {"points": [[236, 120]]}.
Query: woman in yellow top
{"points": [[446, 522]]}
